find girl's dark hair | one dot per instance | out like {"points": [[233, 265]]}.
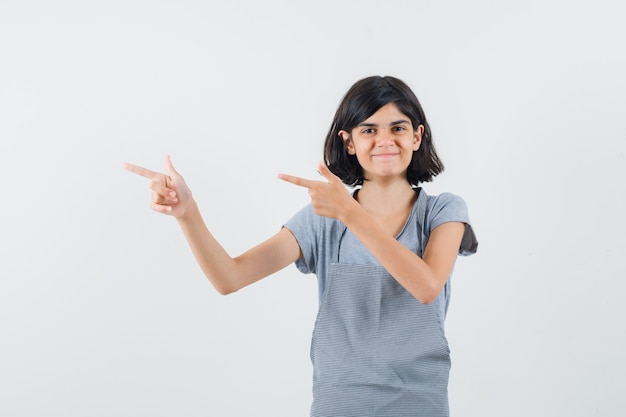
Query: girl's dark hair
{"points": [[361, 101]]}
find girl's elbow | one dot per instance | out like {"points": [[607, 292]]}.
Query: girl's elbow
{"points": [[429, 295], [225, 291], [224, 288], [426, 298]]}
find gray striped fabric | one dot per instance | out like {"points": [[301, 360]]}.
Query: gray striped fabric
{"points": [[376, 350]]}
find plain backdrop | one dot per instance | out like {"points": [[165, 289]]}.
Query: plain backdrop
{"points": [[104, 312]]}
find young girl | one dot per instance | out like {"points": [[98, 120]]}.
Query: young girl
{"points": [[383, 255]]}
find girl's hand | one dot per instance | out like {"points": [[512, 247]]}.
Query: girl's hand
{"points": [[170, 194], [329, 199]]}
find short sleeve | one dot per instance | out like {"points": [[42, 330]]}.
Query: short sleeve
{"points": [[446, 208], [305, 227]]}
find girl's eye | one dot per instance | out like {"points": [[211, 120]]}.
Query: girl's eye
{"points": [[370, 130], [399, 129]]}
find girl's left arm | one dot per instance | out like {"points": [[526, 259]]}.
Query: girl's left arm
{"points": [[423, 278]]}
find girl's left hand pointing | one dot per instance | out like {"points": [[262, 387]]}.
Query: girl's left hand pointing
{"points": [[329, 199]]}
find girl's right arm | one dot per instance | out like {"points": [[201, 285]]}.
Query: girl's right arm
{"points": [[170, 195]]}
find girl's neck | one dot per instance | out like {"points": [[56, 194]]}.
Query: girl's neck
{"points": [[386, 197]]}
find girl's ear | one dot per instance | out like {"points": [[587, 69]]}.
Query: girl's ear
{"points": [[347, 141], [417, 137]]}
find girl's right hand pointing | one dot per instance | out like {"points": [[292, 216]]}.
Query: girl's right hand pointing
{"points": [[170, 194]]}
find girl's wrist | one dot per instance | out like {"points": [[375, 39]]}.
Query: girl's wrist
{"points": [[190, 213]]}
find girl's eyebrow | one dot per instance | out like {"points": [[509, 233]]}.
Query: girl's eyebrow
{"points": [[397, 122]]}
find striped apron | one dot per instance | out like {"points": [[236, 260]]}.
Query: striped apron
{"points": [[376, 350]]}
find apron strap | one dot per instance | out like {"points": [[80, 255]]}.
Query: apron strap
{"points": [[335, 251], [422, 233]]}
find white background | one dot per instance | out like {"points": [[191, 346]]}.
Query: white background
{"points": [[103, 311]]}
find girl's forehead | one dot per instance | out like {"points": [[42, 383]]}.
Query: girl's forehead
{"points": [[387, 112]]}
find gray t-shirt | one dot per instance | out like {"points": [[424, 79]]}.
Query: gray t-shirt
{"points": [[319, 237]]}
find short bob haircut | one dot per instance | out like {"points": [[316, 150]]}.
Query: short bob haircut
{"points": [[361, 101]]}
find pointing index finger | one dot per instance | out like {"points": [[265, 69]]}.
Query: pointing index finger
{"points": [[144, 172], [301, 182]]}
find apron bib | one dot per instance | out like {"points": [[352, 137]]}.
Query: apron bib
{"points": [[376, 350]]}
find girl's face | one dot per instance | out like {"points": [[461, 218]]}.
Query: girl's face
{"points": [[384, 143]]}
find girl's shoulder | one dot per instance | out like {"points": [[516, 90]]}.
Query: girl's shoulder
{"points": [[448, 207], [446, 201], [307, 222]]}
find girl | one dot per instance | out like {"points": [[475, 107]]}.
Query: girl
{"points": [[383, 255]]}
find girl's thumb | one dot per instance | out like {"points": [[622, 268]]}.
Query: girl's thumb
{"points": [[169, 168]]}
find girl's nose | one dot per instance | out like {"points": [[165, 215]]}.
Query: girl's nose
{"points": [[384, 138]]}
